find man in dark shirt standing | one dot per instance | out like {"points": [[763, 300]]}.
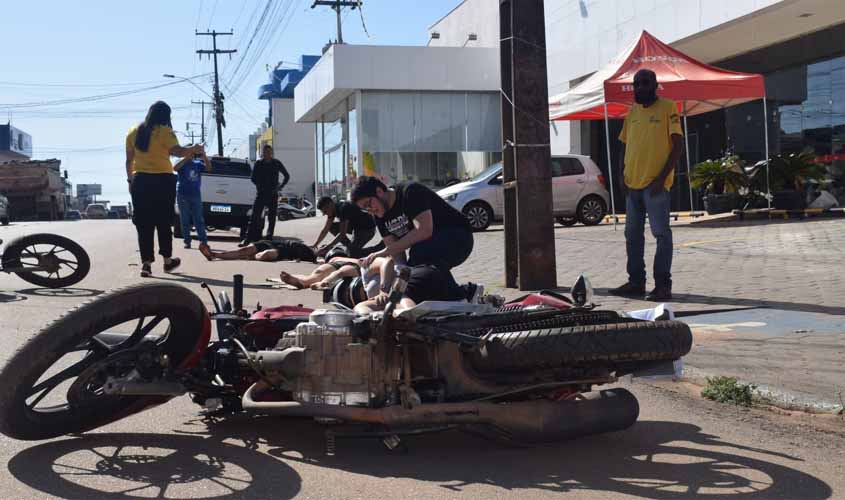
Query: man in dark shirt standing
{"points": [[350, 220], [265, 176], [413, 217]]}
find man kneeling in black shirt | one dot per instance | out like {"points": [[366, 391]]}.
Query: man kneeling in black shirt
{"points": [[351, 220], [412, 217]]}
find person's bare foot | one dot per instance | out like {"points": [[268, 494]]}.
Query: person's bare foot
{"points": [[291, 280], [206, 252]]}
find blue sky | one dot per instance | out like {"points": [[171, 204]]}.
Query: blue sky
{"points": [[64, 50]]}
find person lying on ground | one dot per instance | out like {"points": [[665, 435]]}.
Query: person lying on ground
{"points": [[326, 275], [265, 250], [427, 282]]}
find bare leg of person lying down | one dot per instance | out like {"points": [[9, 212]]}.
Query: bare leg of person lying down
{"points": [[322, 271], [248, 252], [382, 267]]}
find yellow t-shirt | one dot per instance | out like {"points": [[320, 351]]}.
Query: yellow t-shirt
{"points": [[156, 159], [647, 134]]}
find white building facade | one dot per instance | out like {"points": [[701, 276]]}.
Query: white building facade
{"points": [[422, 114]]}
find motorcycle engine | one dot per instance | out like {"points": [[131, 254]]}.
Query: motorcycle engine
{"points": [[339, 368]]}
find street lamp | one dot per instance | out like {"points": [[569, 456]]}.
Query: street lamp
{"points": [[177, 77]]}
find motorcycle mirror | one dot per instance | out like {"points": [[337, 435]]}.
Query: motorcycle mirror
{"points": [[582, 291]]}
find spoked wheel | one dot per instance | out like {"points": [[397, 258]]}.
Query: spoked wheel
{"points": [[60, 381], [47, 260]]}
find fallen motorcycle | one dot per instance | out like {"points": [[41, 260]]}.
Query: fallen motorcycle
{"points": [[46, 260], [522, 373]]}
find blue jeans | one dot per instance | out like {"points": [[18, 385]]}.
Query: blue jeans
{"points": [[638, 203], [190, 213]]}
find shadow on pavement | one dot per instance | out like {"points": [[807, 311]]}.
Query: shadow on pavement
{"points": [[62, 292], [10, 297], [659, 460], [124, 466], [680, 298]]}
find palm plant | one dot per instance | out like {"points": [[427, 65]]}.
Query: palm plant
{"points": [[720, 176]]}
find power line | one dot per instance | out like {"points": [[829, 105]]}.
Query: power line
{"points": [[78, 85], [93, 98]]}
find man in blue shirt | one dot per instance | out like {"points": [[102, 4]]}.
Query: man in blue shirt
{"points": [[189, 197]]}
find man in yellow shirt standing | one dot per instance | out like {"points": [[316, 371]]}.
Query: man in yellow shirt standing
{"points": [[652, 142]]}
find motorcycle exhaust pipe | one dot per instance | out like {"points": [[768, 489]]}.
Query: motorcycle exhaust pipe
{"points": [[532, 421]]}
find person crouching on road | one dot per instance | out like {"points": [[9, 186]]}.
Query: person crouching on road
{"points": [[152, 184], [189, 197], [652, 142], [265, 176], [350, 220], [412, 217]]}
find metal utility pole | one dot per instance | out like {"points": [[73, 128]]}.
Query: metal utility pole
{"points": [[337, 5], [529, 226], [218, 97], [202, 120]]}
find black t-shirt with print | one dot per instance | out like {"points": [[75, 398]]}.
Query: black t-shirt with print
{"points": [[413, 199], [358, 219]]}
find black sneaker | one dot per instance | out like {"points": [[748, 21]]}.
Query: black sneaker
{"points": [[660, 294], [146, 270], [187, 245], [244, 243], [173, 264], [628, 290]]}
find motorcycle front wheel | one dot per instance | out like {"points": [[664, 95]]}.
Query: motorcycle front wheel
{"points": [[47, 260], [54, 384]]}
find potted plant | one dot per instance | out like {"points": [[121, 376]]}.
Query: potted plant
{"points": [[788, 177], [722, 180]]}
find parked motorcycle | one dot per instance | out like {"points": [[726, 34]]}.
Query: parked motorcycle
{"points": [[289, 211], [47, 260], [522, 373]]}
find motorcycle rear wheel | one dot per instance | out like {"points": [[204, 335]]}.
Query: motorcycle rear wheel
{"points": [[179, 328], [67, 262], [586, 344]]}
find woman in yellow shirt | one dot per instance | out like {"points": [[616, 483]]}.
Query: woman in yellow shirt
{"points": [[152, 184]]}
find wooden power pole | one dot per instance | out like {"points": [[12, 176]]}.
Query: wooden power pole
{"points": [[218, 97], [337, 5], [529, 226]]}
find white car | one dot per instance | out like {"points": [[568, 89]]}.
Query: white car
{"points": [[96, 211], [578, 193], [227, 195]]}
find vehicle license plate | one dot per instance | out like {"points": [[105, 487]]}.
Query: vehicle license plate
{"points": [[226, 209]]}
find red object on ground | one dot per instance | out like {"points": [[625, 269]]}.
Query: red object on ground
{"points": [[281, 312], [536, 299], [680, 78]]}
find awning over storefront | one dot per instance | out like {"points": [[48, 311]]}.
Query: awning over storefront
{"points": [[686, 80]]}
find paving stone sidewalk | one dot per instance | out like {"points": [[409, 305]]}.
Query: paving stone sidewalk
{"points": [[794, 268]]}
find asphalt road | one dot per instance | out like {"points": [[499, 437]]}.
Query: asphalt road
{"points": [[682, 447]]}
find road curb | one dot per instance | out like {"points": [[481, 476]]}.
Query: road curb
{"points": [[776, 396]]}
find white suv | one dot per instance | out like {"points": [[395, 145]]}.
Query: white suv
{"points": [[578, 193]]}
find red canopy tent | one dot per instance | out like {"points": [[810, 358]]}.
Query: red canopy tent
{"points": [[695, 86]]}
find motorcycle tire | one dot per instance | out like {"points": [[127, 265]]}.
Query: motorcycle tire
{"points": [[579, 345], [74, 332], [22, 248]]}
